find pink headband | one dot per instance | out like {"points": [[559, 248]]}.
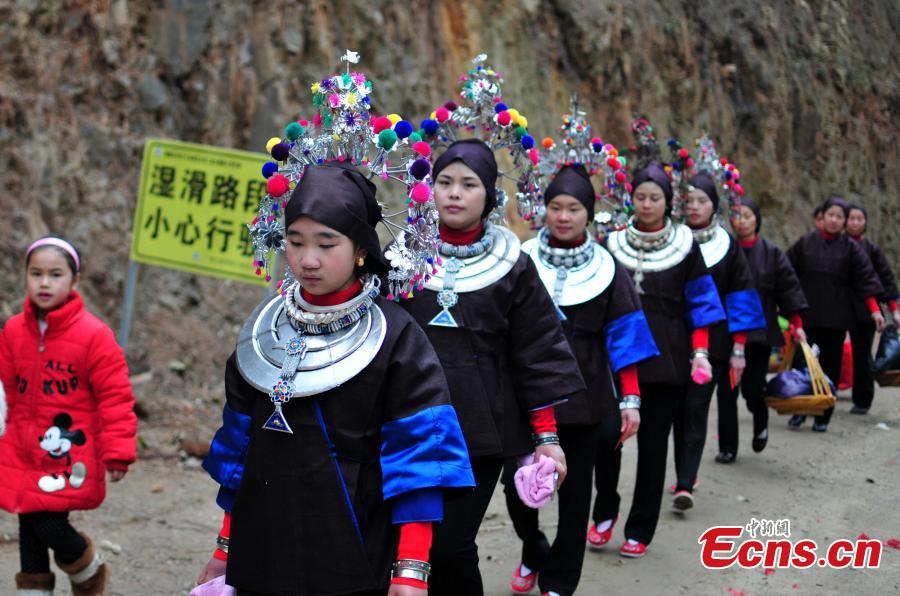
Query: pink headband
{"points": [[58, 243]]}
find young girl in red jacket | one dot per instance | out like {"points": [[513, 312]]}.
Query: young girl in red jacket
{"points": [[70, 420]]}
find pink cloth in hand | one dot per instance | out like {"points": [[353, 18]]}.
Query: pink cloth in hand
{"points": [[214, 587], [535, 482], [701, 376]]}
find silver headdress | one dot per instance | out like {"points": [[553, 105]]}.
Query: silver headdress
{"points": [[705, 160], [577, 145], [342, 129], [482, 114]]}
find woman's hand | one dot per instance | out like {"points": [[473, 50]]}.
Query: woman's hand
{"points": [[631, 422], [555, 453], [895, 315], [738, 364], [213, 569], [879, 320], [116, 475], [404, 590], [701, 363]]}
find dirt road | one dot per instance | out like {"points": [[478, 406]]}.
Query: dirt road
{"points": [[836, 485]]}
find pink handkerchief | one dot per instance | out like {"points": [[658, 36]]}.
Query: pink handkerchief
{"points": [[214, 587], [535, 482]]}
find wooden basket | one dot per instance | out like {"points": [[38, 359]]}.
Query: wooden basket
{"points": [[815, 404], [888, 378]]}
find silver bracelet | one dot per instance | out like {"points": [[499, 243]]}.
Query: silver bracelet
{"points": [[411, 569], [222, 543], [737, 353], [700, 352], [545, 439], [630, 401]]}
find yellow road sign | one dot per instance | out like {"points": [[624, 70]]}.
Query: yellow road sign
{"points": [[193, 207]]}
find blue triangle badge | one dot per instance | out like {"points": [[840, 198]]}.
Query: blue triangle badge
{"points": [[443, 319], [277, 422], [559, 313]]}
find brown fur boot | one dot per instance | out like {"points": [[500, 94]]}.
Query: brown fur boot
{"points": [[35, 584], [88, 574]]}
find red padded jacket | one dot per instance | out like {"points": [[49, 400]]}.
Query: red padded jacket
{"points": [[71, 410]]}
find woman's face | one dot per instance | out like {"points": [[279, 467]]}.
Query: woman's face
{"points": [[321, 259], [649, 204], [834, 220], [743, 221], [460, 197], [50, 280], [698, 208], [856, 222], [566, 218]]}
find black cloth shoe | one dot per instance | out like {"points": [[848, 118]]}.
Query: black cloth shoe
{"points": [[759, 443], [796, 420], [859, 410], [726, 457], [820, 427]]}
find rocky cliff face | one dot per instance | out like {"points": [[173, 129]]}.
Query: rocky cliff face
{"points": [[802, 95]]}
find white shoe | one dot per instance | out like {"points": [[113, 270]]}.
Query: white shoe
{"points": [[51, 484], [79, 473]]}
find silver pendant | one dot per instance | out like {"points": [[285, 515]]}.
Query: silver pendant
{"points": [[277, 422], [447, 298], [283, 390]]}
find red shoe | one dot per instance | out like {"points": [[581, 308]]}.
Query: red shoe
{"points": [[520, 584], [597, 540], [674, 487], [634, 550]]}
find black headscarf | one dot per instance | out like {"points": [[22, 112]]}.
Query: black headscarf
{"points": [[653, 172], [575, 181], [480, 159], [752, 206], [705, 183], [339, 196]]}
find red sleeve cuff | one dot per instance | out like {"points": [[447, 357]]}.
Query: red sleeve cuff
{"points": [[872, 304], [700, 338], [629, 378], [225, 532], [796, 321], [543, 420], [408, 581], [415, 543], [740, 337], [118, 466], [892, 305]]}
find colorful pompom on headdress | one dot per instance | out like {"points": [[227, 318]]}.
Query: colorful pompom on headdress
{"points": [[705, 160], [342, 129], [578, 146], [481, 113]]}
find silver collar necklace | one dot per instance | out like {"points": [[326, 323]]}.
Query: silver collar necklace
{"points": [[648, 241], [567, 258]]}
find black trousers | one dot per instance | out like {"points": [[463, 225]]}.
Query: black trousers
{"points": [[658, 404], [863, 381], [559, 564], [607, 465], [454, 554], [689, 427], [45, 530], [831, 346], [752, 387]]}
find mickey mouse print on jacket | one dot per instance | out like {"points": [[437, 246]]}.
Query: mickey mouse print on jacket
{"points": [[70, 410]]}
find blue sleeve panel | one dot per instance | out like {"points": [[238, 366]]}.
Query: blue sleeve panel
{"points": [[423, 505], [422, 451], [629, 340], [703, 304], [745, 311], [225, 462]]}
